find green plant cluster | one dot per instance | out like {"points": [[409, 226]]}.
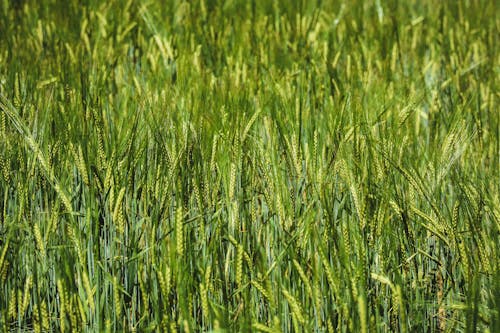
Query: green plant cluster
{"points": [[266, 166]]}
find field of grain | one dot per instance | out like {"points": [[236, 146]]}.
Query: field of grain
{"points": [[249, 166]]}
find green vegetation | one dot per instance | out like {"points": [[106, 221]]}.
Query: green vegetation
{"points": [[273, 166]]}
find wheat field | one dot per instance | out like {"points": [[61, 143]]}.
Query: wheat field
{"points": [[249, 166]]}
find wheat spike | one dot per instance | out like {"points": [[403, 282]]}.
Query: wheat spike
{"points": [[118, 217], [4, 253], [232, 181], [262, 290], [239, 265], [167, 279], [317, 300], [3, 124], [38, 240], [17, 92], [179, 230], [163, 284], [329, 273], [13, 304], [263, 328], [72, 314], [346, 240], [144, 292], [204, 301], [26, 294], [296, 309], [45, 317], [358, 206], [117, 298], [37, 324], [82, 167], [214, 152], [303, 277], [62, 305], [3, 272], [81, 309], [88, 290]]}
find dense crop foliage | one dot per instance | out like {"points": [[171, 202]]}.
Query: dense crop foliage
{"points": [[274, 166]]}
